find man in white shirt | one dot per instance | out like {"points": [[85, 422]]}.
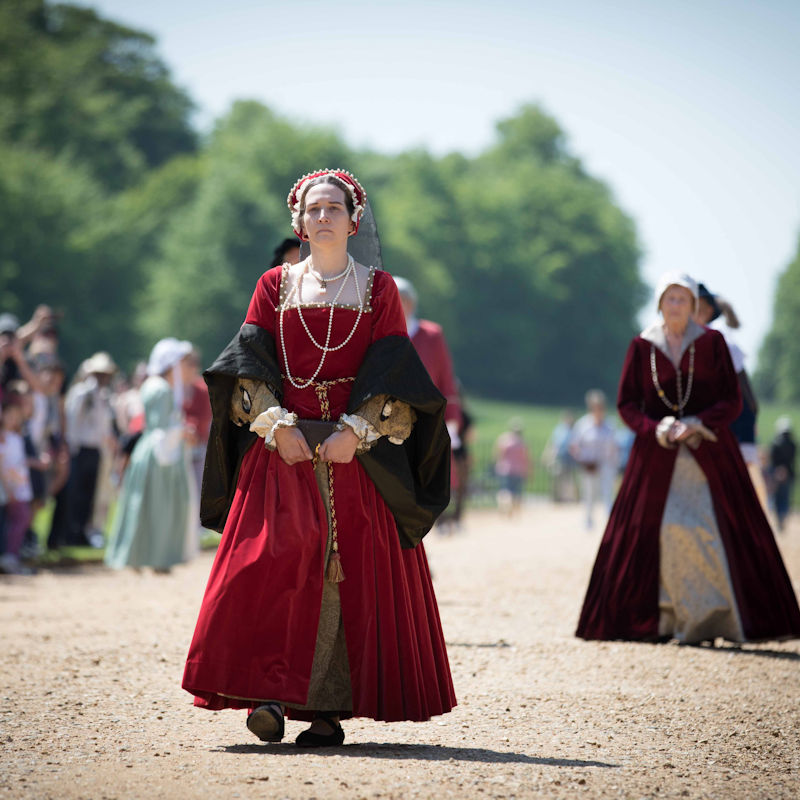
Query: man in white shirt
{"points": [[89, 418], [593, 445]]}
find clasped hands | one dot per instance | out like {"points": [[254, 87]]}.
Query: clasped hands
{"points": [[339, 447], [691, 433]]}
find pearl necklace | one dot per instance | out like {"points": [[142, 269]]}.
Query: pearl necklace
{"points": [[324, 281], [682, 401], [326, 348]]}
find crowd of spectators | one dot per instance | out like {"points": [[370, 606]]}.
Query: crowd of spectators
{"points": [[65, 438]]}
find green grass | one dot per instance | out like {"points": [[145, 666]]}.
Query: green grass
{"points": [[68, 555], [492, 417]]}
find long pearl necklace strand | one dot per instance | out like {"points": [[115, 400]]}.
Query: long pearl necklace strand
{"points": [[326, 348]]}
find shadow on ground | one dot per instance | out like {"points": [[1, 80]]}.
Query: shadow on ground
{"points": [[730, 649], [415, 752]]}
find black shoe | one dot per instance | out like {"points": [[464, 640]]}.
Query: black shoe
{"points": [[334, 739], [266, 722]]}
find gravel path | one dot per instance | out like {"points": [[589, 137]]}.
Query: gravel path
{"points": [[91, 663]]}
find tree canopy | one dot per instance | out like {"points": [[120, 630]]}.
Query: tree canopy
{"points": [[109, 210], [74, 84], [778, 376]]}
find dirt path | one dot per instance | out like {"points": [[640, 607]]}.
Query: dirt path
{"points": [[91, 663]]}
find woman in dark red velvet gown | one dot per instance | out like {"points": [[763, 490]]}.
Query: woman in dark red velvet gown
{"points": [[687, 553], [274, 633]]}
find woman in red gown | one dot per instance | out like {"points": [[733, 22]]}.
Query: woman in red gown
{"points": [[688, 553], [320, 604]]}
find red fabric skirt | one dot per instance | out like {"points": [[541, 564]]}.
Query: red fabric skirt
{"points": [[257, 627]]}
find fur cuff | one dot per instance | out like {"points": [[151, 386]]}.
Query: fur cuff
{"points": [[389, 417], [250, 398], [267, 422]]}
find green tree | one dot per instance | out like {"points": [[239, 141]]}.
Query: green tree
{"points": [[517, 252], [109, 213], [44, 205], [64, 241], [532, 253], [216, 248], [778, 375], [74, 84]]}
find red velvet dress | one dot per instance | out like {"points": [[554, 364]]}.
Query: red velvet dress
{"points": [[256, 631], [622, 601]]}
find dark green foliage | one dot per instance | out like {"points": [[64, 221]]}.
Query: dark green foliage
{"points": [[74, 84], [778, 376], [105, 212]]}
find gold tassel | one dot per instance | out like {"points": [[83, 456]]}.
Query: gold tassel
{"points": [[335, 573]]}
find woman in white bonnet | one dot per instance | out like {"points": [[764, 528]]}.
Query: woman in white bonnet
{"points": [[688, 553], [154, 514]]}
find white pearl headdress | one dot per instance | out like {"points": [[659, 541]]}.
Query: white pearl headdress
{"points": [[357, 193]]}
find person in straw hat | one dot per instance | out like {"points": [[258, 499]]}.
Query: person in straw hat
{"points": [[89, 426]]}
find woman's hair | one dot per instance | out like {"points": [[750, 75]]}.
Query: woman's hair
{"points": [[334, 181], [279, 254], [731, 320]]}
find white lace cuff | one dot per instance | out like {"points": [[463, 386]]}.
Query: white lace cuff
{"points": [[367, 435], [267, 422], [662, 432]]}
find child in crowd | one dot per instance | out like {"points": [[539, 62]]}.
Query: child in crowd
{"points": [[16, 480]]}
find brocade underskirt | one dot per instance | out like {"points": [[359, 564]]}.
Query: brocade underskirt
{"points": [[696, 598]]}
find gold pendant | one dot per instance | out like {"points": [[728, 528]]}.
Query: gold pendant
{"points": [[323, 286]]}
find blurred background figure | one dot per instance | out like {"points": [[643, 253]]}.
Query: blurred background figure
{"points": [[462, 465], [431, 346], [13, 364], [37, 461], [197, 413], [46, 426], [16, 482], [558, 460], [128, 418], [782, 458], [89, 428], [40, 334], [711, 307], [429, 342], [128, 406], [512, 465], [154, 523], [287, 252], [593, 445], [462, 457], [688, 553]]}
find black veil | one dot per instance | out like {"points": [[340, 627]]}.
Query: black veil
{"points": [[365, 246]]}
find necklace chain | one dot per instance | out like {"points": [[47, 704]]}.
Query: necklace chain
{"points": [[325, 348], [682, 401], [323, 280]]}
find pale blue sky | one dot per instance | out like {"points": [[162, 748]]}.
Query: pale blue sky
{"points": [[690, 111]]}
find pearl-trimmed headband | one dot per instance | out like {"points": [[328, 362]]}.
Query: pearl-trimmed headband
{"points": [[357, 193]]}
